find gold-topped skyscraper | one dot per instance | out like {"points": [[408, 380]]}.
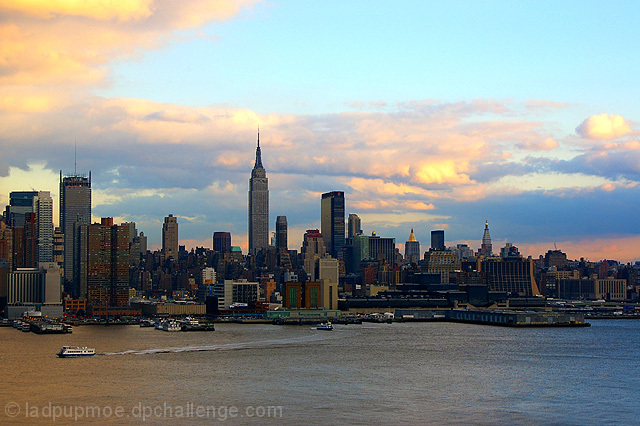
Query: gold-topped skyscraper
{"points": [[412, 249], [258, 205]]}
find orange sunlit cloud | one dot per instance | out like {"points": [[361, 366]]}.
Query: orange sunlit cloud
{"points": [[379, 186], [539, 145], [68, 42], [448, 171], [102, 10]]}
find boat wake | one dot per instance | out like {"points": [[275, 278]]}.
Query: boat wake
{"points": [[220, 347]]}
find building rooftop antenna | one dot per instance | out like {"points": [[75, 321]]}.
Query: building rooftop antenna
{"points": [[75, 157]]}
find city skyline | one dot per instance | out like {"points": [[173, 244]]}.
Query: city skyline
{"points": [[427, 115]]}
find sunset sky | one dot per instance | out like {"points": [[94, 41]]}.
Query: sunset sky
{"points": [[428, 115]]}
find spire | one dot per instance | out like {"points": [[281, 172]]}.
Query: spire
{"points": [[258, 153], [411, 236], [486, 238]]}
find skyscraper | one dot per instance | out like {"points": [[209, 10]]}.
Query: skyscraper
{"points": [[30, 239], [355, 226], [222, 242], [281, 232], [143, 243], [360, 250], [104, 256], [437, 240], [75, 210], [412, 249], [43, 209], [511, 275], [20, 202], [20, 217], [39, 248], [382, 247], [170, 237], [312, 249], [332, 222], [258, 205], [485, 248]]}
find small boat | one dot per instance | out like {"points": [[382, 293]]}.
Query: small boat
{"points": [[325, 326], [75, 351], [146, 323]]}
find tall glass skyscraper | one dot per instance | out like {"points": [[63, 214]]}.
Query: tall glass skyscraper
{"points": [[222, 241], [281, 232], [20, 202], [332, 222], [355, 226], [258, 205], [437, 240], [75, 210]]}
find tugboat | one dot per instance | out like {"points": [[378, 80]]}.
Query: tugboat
{"points": [[75, 351], [327, 326]]}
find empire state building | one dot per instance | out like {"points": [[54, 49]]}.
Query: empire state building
{"points": [[258, 206]]}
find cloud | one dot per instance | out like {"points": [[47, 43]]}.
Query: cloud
{"points": [[103, 10], [448, 171], [177, 117], [604, 127], [539, 145], [372, 105], [544, 105], [371, 221], [402, 167], [70, 42]]}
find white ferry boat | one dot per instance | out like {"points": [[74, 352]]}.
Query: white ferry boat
{"points": [[325, 326], [171, 325], [75, 351]]}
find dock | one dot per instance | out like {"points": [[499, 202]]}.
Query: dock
{"points": [[516, 318]]}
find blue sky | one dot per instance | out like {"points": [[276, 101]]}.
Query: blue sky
{"points": [[431, 115], [317, 57]]}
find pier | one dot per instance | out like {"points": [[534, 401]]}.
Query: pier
{"points": [[498, 317]]}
